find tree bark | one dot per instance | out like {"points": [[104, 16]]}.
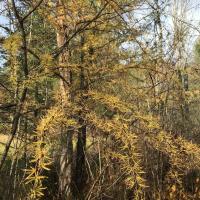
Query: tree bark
{"points": [[66, 158], [80, 170]]}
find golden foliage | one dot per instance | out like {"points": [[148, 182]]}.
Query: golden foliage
{"points": [[126, 148], [183, 154], [40, 152]]}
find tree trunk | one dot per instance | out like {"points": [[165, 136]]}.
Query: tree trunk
{"points": [[66, 166], [80, 170], [66, 159]]}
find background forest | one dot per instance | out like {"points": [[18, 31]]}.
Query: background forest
{"points": [[99, 100]]}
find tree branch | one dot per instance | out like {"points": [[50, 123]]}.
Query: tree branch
{"points": [[31, 11], [81, 29]]}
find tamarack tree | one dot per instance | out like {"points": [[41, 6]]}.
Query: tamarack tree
{"points": [[90, 103]]}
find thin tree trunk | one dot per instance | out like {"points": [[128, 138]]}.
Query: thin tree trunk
{"points": [[13, 128], [19, 108], [80, 170]]}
